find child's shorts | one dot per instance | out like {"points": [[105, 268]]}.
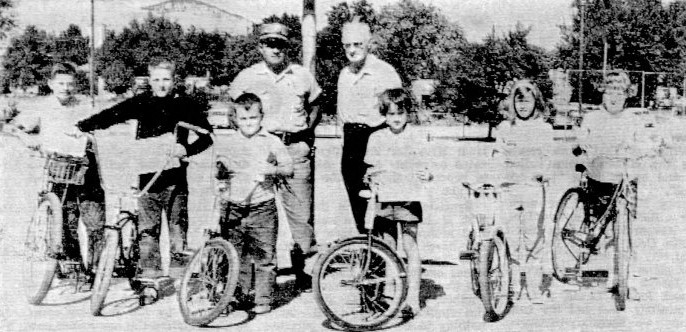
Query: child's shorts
{"points": [[401, 211]]}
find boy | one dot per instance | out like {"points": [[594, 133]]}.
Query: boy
{"points": [[157, 113], [47, 120], [397, 151], [248, 218]]}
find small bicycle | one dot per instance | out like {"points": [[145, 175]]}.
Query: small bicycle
{"points": [[581, 224], [360, 283], [119, 257], [209, 281], [43, 247], [489, 249]]}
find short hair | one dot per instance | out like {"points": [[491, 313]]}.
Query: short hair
{"points": [[247, 100], [397, 96], [63, 68], [162, 64]]}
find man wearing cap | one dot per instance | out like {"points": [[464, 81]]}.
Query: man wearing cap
{"points": [[359, 86], [289, 95]]}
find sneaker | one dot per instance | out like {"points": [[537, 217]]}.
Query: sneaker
{"points": [[303, 282], [408, 312], [261, 309]]}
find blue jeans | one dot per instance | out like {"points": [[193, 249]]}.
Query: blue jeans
{"points": [[253, 230], [174, 202], [297, 199]]}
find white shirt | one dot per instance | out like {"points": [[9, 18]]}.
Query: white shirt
{"points": [[358, 93], [525, 147], [283, 95]]}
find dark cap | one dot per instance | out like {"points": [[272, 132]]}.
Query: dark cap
{"points": [[274, 30]]}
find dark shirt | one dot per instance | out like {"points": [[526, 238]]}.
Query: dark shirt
{"points": [[157, 116]]}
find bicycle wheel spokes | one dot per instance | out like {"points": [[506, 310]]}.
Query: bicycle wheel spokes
{"points": [[570, 236], [43, 238], [358, 288], [208, 283]]}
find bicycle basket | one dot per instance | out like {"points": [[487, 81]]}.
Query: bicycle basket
{"points": [[66, 169]]}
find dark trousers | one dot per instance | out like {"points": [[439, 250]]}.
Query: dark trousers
{"points": [[173, 201], [253, 230], [353, 167]]}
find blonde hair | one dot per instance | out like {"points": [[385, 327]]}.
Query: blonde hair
{"points": [[162, 64]]}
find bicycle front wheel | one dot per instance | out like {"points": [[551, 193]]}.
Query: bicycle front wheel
{"points": [[359, 287], [209, 283], [570, 233], [621, 261], [474, 267], [43, 242], [495, 279], [103, 274]]}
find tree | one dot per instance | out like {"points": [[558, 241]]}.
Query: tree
{"points": [[71, 46], [27, 61], [6, 18]]}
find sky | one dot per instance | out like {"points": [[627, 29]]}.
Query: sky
{"points": [[476, 17]]}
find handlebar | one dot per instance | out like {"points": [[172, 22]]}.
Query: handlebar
{"points": [[195, 128]]}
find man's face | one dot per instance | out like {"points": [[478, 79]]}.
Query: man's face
{"points": [[355, 40], [614, 99], [273, 51], [396, 118], [249, 119], [161, 81], [62, 86]]}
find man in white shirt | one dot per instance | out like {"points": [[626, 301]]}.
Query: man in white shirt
{"points": [[359, 86]]}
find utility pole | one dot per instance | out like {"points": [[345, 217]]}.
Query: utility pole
{"points": [[582, 9], [309, 35], [92, 55]]}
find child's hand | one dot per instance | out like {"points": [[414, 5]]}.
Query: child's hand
{"points": [[424, 175]]}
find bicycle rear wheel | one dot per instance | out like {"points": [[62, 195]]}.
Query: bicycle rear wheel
{"points": [[209, 282], [359, 287], [621, 261], [569, 235], [43, 242], [495, 279], [103, 274]]}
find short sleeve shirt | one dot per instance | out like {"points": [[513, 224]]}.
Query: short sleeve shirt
{"points": [[527, 146], [245, 154], [358, 93], [283, 95], [400, 155]]}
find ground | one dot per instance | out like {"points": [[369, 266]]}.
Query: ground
{"points": [[446, 296]]}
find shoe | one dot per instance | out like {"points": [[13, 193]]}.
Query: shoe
{"points": [[261, 309], [303, 283], [408, 312]]}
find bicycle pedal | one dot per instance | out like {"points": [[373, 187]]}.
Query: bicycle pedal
{"points": [[468, 255]]}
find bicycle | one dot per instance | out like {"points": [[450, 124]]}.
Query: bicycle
{"points": [[43, 246], [579, 229], [360, 283], [209, 282], [119, 257], [492, 260]]}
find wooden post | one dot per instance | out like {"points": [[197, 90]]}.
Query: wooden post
{"points": [[309, 35], [92, 55]]}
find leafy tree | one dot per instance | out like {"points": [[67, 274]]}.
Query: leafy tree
{"points": [[27, 61], [6, 18], [71, 46]]}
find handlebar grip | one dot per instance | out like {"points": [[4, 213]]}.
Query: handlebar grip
{"points": [[194, 128]]}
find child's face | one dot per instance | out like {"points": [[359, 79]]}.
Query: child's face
{"points": [[614, 98], [396, 118], [161, 81], [62, 86], [249, 119]]}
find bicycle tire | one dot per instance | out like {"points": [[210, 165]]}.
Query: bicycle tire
{"points": [[218, 298], [622, 253], [491, 280], [43, 241], [335, 275], [566, 255], [103, 274], [474, 267]]}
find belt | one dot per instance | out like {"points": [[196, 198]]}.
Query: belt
{"points": [[292, 138]]}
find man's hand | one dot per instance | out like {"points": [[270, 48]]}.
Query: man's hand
{"points": [[424, 174], [179, 151]]}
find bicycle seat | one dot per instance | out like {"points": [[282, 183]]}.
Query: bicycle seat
{"points": [[366, 193], [580, 168]]}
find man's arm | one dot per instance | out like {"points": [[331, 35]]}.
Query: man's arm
{"points": [[119, 113]]}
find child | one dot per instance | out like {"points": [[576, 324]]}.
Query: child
{"points": [[398, 149], [249, 218]]}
